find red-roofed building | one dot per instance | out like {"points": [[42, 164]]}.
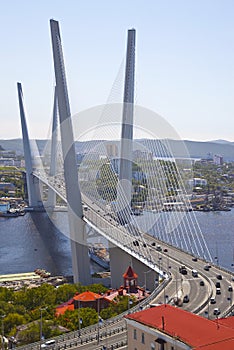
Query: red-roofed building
{"points": [[90, 299], [85, 299], [130, 280], [166, 327]]}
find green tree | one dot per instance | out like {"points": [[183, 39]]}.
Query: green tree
{"points": [[12, 320], [65, 292], [30, 334], [108, 313]]}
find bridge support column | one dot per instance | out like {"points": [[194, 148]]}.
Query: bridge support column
{"points": [[51, 201], [80, 259], [119, 262], [34, 197], [124, 190]]}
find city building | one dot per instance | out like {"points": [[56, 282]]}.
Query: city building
{"points": [[218, 160], [197, 181], [166, 327], [81, 300]]}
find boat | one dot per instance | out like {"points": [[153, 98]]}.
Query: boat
{"points": [[42, 272], [100, 255], [12, 213]]}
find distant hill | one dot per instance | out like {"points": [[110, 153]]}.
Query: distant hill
{"points": [[17, 145], [196, 149], [224, 142]]}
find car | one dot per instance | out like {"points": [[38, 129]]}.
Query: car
{"points": [[202, 283], [194, 273], [194, 259], [216, 311], [230, 289], [186, 299], [165, 250], [212, 300], [218, 291], [184, 272], [217, 284], [48, 343], [219, 277], [206, 267]]}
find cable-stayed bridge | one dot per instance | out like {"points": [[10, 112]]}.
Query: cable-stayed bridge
{"points": [[114, 187]]}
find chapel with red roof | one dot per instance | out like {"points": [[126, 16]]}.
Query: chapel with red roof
{"points": [[85, 299]]}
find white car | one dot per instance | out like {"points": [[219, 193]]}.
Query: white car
{"points": [[48, 343]]}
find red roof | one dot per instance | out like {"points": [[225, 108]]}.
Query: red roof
{"points": [[87, 296], [60, 310], [129, 273], [223, 345], [198, 332], [227, 321]]}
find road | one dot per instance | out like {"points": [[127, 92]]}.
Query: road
{"points": [[167, 262]]}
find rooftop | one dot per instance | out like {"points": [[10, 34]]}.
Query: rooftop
{"points": [[129, 273], [194, 330], [87, 296]]}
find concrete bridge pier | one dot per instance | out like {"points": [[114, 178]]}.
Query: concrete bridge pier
{"points": [[119, 262]]}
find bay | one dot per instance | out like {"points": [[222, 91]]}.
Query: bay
{"points": [[34, 241]]}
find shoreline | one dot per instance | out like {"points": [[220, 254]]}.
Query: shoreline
{"points": [[17, 281]]}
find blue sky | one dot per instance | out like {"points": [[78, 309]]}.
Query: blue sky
{"points": [[184, 70]]}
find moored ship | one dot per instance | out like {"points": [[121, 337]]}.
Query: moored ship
{"points": [[100, 255]]}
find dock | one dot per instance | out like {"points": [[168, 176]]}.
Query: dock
{"points": [[19, 276]]}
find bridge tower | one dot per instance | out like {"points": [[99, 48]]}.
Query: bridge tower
{"points": [[119, 260], [34, 197], [51, 201], [80, 259], [125, 171]]}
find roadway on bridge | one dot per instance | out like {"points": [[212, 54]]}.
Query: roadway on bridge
{"points": [[168, 260]]}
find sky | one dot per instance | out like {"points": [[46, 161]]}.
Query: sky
{"points": [[184, 60]]}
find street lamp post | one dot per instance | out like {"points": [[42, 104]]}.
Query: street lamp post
{"points": [[79, 318], [129, 303], [99, 321], [145, 272], [41, 309], [98, 330]]}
